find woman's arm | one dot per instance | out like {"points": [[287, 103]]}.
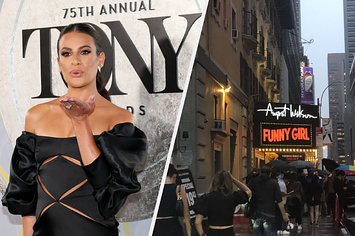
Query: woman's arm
{"points": [[186, 211], [79, 113], [28, 222], [86, 142], [325, 179], [240, 185], [198, 224], [283, 212], [302, 192]]}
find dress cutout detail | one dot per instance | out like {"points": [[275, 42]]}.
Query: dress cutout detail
{"points": [[47, 180]]}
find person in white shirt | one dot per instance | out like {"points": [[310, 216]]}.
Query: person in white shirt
{"points": [[283, 180]]}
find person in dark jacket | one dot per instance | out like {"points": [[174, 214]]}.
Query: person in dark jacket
{"points": [[266, 192], [314, 190], [254, 173], [340, 188], [295, 200], [330, 193]]}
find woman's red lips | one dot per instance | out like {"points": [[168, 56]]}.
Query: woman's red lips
{"points": [[76, 73]]}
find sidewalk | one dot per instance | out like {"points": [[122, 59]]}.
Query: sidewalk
{"points": [[326, 228], [349, 223]]}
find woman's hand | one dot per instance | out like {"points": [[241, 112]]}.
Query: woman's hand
{"points": [[198, 224], [77, 109], [28, 223], [240, 185]]}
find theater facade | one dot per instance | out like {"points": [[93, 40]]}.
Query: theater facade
{"points": [[284, 131]]}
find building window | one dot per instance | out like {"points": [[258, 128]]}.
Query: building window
{"points": [[233, 144], [235, 31], [215, 106], [217, 7], [225, 111], [245, 76], [217, 162], [217, 157], [225, 9]]}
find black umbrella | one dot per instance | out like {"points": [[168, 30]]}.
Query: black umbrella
{"points": [[329, 164], [321, 172], [278, 165], [300, 164]]}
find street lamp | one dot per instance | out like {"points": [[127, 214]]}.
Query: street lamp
{"points": [[321, 102], [321, 99]]}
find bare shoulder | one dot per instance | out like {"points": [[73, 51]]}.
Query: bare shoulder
{"points": [[119, 115], [36, 114]]}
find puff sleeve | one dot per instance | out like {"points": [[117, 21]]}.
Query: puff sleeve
{"points": [[112, 174], [21, 193], [201, 205], [240, 197]]}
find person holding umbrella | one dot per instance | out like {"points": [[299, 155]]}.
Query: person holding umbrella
{"points": [[340, 188], [330, 193], [295, 200], [314, 189], [281, 224], [330, 165], [348, 169]]}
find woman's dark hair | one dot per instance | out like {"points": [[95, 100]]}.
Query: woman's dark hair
{"points": [[266, 170], [287, 176], [315, 179], [171, 171], [88, 29], [294, 177], [222, 182]]}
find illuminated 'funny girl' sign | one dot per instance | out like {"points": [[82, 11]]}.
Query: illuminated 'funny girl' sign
{"points": [[285, 125]]}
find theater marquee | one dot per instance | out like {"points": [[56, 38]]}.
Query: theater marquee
{"points": [[285, 125]]}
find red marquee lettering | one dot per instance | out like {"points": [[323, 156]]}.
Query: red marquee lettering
{"points": [[279, 135], [287, 132], [266, 133]]}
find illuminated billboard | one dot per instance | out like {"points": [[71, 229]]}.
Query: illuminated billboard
{"points": [[307, 85], [284, 135], [285, 125]]}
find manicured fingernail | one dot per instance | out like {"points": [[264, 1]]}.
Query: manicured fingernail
{"points": [[93, 97]]}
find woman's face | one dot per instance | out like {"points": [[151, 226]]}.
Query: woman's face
{"points": [[78, 61]]}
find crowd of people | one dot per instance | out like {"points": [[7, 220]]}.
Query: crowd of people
{"points": [[280, 201], [308, 195]]}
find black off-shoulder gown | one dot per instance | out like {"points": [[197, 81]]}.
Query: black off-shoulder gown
{"points": [[48, 180]]}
